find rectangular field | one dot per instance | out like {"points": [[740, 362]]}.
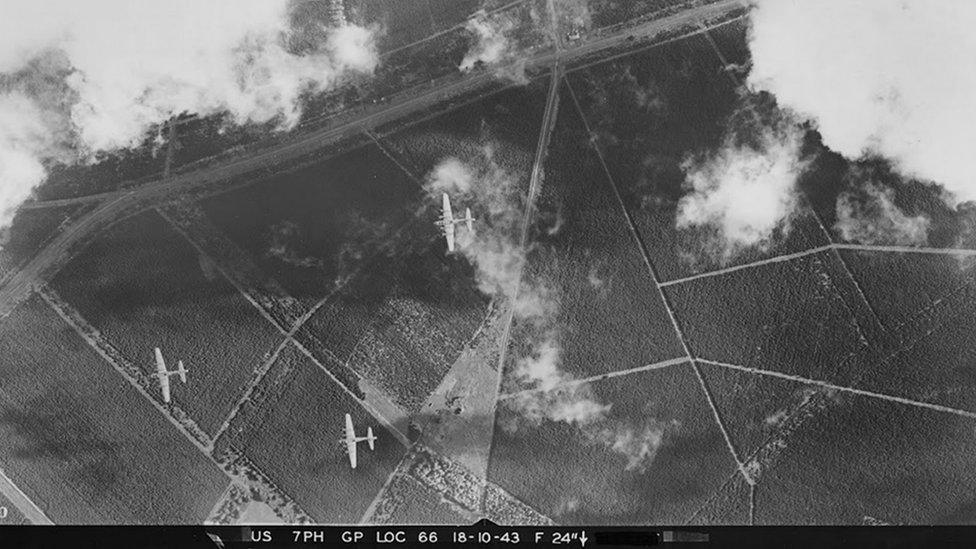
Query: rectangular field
{"points": [[143, 286], [297, 444], [611, 316], [867, 459], [653, 110], [788, 317], [311, 228], [402, 322], [655, 458], [82, 443]]}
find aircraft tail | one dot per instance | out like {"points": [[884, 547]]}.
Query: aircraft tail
{"points": [[468, 219], [370, 438], [180, 369]]}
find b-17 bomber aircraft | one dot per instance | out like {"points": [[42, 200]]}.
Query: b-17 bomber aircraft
{"points": [[163, 374], [447, 221], [352, 440]]}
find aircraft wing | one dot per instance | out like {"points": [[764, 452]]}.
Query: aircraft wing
{"points": [[162, 375], [447, 221], [350, 441], [160, 363], [164, 385], [449, 234], [448, 214]]}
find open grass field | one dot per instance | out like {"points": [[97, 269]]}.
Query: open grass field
{"points": [[83, 444], [652, 110], [297, 445], [143, 286], [576, 479]]}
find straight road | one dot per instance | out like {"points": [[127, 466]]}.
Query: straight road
{"points": [[116, 205]]}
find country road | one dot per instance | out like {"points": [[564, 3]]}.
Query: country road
{"points": [[118, 204]]}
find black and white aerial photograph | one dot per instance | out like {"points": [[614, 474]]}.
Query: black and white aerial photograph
{"points": [[535, 262]]}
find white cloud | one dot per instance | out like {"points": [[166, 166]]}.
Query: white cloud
{"points": [[638, 445], [554, 396], [744, 191], [494, 250], [491, 192], [573, 15], [127, 66], [494, 46], [869, 215], [557, 396], [894, 78], [450, 176]]}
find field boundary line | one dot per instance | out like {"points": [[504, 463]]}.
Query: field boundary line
{"points": [[827, 247], [448, 30], [645, 255], [286, 332], [600, 377], [240, 467], [197, 436], [389, 154], [535, 184], [401, 438], [745, 266], [254, 165], [905, 249], [449, 478], [402, 466], [712, 498], [226, 504], [22, 501], [752, 505], [665, 42], [257, 377], [737, 81], [842, 388]]}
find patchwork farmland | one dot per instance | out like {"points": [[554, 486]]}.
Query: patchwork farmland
{"points": [[143, 286], [633, 369], [297, 444], [83, 444]]}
